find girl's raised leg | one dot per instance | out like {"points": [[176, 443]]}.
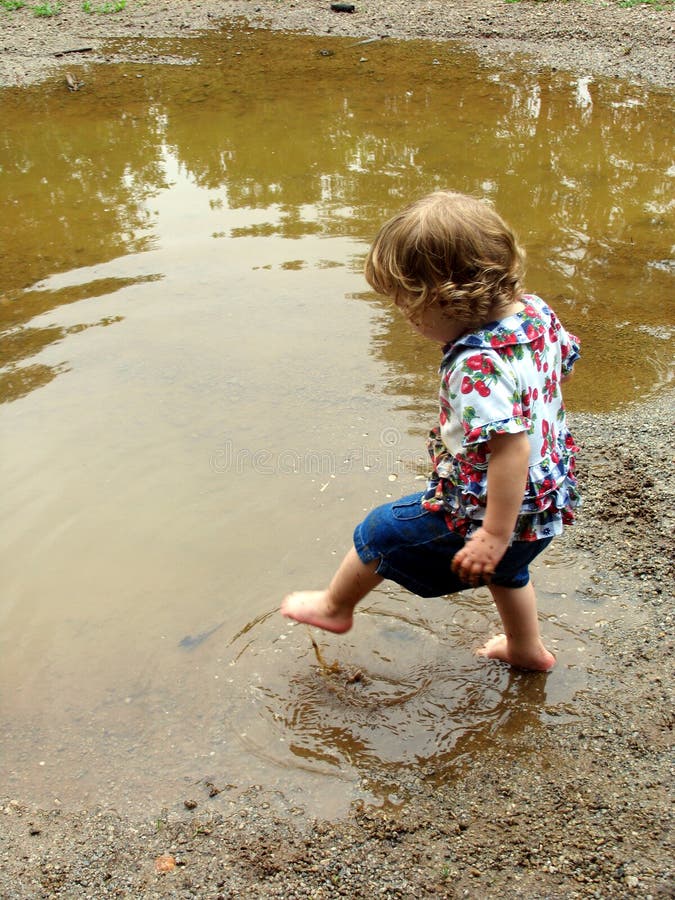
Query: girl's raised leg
{"points": [[333, 609], [521, 644]]}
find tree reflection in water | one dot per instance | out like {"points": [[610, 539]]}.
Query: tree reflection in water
{"points": [[285, 142]]}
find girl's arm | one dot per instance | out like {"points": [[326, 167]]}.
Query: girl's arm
{"points": [[507, 476]]}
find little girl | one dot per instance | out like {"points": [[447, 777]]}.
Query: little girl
{"points": [[503, 481]]}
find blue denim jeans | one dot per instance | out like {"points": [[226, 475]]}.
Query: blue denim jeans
{"points": [[416, 548]]}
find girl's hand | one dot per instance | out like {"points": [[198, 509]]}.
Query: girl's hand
{"points": [[476, 562]]}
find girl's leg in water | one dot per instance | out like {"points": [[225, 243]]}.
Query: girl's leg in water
{"points": [[521, 644], [333, 608]]}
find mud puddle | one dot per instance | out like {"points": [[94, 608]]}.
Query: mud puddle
{"points": [[403, 695], [200, 399]]}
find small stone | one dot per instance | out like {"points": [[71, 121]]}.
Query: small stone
{"points": [[165, 863]]}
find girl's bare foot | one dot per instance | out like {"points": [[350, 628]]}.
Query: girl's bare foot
{"points": [[538, 660], [315, 608]]}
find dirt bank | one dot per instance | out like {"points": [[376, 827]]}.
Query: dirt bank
{"points": [[576, 810], [593, 37]]}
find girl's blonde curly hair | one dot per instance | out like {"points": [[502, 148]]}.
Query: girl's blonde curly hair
{"points": [[450, 250]]}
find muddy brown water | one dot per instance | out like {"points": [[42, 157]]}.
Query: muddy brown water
{"points": [[200, 399]]}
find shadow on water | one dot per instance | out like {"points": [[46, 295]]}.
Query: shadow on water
{"points": [[200, 399]]}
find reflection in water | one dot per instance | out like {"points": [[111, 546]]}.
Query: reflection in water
{"points": [[167, 479], [580, 167], [23, 340]]}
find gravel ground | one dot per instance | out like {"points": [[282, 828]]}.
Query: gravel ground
{"points": [[577, 810]]}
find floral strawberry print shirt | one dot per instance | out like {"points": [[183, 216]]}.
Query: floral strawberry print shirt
{"points": [[504, 379]]}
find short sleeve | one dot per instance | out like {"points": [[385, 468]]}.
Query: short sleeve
{"points": [[570, 346], [484, 397], [570, 351]]}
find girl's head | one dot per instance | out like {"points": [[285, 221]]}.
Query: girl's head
{"points": [[450, 251]]}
